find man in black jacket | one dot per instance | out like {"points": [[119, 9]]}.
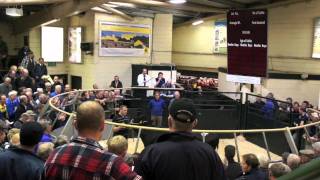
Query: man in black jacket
{"points": [[180, 155], [20, 162], [39, 71]]}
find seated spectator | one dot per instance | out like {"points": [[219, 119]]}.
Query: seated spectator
{"points": [[46, 137], [176, 154], [67, 88], [233, 169], [21, 160], [31, 104], [22, 107], [118, 145], [6, 86], [306, 155], [121, 117], [25, 80], [57, 91], [264, 164], [277, 170], [48, 88], [316, 149], [61, 140], [293, 161], [44, 150], [285, 157], [213, 140], [85, 148], [2, 136], [250, 168], [3, 107], [12, 104], [24, 118]]}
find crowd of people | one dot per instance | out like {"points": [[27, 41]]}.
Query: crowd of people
{"points": [[30, 151]]}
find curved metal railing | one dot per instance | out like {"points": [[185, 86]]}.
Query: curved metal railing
{"points": [[285, 130]]}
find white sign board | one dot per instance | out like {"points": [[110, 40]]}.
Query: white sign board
{"points": [[52, 44], [243, 79]]}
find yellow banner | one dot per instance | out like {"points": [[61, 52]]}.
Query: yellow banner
{"points": [[119, 28]]}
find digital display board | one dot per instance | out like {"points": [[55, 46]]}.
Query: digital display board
{"points": [[247, 32]]}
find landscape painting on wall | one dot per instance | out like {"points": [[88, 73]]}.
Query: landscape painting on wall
{"points": [[117, 39]]}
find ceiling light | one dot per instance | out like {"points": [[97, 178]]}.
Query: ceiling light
{"points": [[178, 1], [123, 4], [16, 12], [111, 5], [197, 22], [99, 9]]}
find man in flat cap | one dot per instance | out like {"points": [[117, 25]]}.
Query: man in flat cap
{"points": [[180, 155]]}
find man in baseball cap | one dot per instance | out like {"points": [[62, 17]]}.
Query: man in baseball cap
{"points": [[23, 163], [180, 154]]}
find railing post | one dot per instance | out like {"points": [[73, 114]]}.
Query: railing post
{"points": [[237, 148], [204, 137], [290, 141], [266, 144], [138, 139]]}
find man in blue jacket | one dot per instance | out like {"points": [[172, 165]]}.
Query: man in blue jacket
{"points": [[180, 155], [156, 106]]}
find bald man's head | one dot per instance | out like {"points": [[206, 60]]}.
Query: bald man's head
{"points": [[90, 116]]}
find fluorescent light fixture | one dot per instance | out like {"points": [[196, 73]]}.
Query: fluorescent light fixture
{"points": [[99, 9], [123, 4], [50, 22], [15, 12], [195, 23], [178, 1], [111, 5]]}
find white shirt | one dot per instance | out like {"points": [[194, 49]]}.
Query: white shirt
{"points": [[144, 80]]}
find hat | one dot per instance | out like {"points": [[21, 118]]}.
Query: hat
{"points": [[183, 110], [29, 113], [30, 133]]}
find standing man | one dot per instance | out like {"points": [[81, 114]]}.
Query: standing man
{"points": [[156, 106], [144, 79], [21, 162], [180, 155], [40, 70], [29, 63], [176, 97], [116, 83], [84, 158], [121, 117], [3, 53]]}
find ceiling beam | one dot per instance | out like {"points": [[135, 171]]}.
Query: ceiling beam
{"points": [[215, 17], [280, 3], [185, 7], [28, 2], [117, 12], [66, 9], [215, 3]]}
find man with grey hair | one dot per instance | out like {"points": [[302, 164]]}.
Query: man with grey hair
{"points": [[293, 161], [277, 170], [180, 154], [24, 80], [12, 103], [6, 86], [57, 91]]}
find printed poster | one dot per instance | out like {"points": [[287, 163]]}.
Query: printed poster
{"points": [[220, 37], [316, 39], [117, 39]]}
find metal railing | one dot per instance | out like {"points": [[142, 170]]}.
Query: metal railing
{"points": [[285, 130]]}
